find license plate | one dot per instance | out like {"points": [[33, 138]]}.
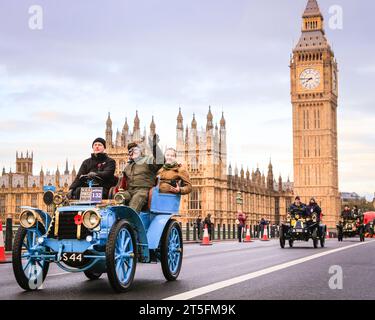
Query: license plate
{"points": [[299, 230], [72, 256]]}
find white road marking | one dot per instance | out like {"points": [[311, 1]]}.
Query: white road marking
{"points": [[59, 274], [230, 282]]}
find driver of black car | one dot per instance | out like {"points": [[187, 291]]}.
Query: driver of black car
{"points": [[297, 208], [99, 167]]}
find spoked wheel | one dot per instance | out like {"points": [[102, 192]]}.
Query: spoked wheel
{"points": [[29, 271], [121, 256], [291, 243], [171, 250], [92, 275]]}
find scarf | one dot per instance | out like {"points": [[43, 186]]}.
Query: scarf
{"points": [[169, 166]]}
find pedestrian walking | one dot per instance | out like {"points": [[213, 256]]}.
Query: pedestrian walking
{"points": [[207, 221], [240, 221], [198, 226]]}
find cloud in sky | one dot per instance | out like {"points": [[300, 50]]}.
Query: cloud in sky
{"points": [[57, 84]]}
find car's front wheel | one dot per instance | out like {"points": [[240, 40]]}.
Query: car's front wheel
{"points": [[121, 256], [29, 270]]}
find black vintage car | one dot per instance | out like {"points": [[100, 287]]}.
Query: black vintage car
{"points": [[351, 226], [302, 227]]}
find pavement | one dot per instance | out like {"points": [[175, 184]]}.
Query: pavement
{"points": [[259, 270]]}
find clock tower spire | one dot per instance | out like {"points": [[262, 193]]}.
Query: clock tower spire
{"points": [[314, 93]]}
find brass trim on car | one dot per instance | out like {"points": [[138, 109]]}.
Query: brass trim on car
{"points": [[56, 231], [79, 226]]}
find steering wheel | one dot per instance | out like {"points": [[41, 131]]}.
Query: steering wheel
{"points": [[94, 181]]}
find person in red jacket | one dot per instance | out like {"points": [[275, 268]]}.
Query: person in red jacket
{"points": [[241, 219]]}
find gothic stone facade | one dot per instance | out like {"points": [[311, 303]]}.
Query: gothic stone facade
{"points": [[22, 188], [314, 93]]}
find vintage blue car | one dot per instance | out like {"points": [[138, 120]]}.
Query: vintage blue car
{"points": [[96, 238]]}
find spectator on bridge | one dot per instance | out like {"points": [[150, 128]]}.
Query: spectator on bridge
{"points": [[262, 223], [241, 223], [207, 221], [198, 226]]}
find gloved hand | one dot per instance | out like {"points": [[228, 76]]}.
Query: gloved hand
{"points": [[91, 175]]}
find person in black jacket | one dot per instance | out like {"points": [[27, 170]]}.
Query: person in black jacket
{"points": [[313, 207], [297, 207], [98, 165], [207, 221]]}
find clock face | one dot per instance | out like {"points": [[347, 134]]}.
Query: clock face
{"points": [[310, 79]]}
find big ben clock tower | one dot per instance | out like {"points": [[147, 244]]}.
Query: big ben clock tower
{"points": [[314, 92]]}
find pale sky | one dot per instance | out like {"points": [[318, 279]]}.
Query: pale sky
{"points": [[91, 57]]}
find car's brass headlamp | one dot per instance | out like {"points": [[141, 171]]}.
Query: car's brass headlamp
{"points": [[28, 218], [119, 198], [91, 219], [48, 197]]}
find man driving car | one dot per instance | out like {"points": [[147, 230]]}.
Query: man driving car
{"points": [[99, 167]]}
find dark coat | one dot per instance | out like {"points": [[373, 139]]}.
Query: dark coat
{"points": [[103, 165], [301, 209], [207, 221], [346, 214], [310, 209]]}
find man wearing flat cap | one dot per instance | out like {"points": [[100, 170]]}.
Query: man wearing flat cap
{"points": [[297, 207], [98, 165], [140, 172]]}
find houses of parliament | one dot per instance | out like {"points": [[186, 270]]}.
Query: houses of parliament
{"points": [[314, 94]]}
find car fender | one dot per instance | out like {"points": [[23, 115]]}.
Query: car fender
{"points": [[156, 229], [124, 212]]}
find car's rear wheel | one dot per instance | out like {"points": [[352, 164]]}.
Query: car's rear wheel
{"points": [[121, 256], [171, 250], [30, 272]]}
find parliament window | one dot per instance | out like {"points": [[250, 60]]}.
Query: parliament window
{"points": [[34, 200], [195, 200], [2, 204], [18, 203]]}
